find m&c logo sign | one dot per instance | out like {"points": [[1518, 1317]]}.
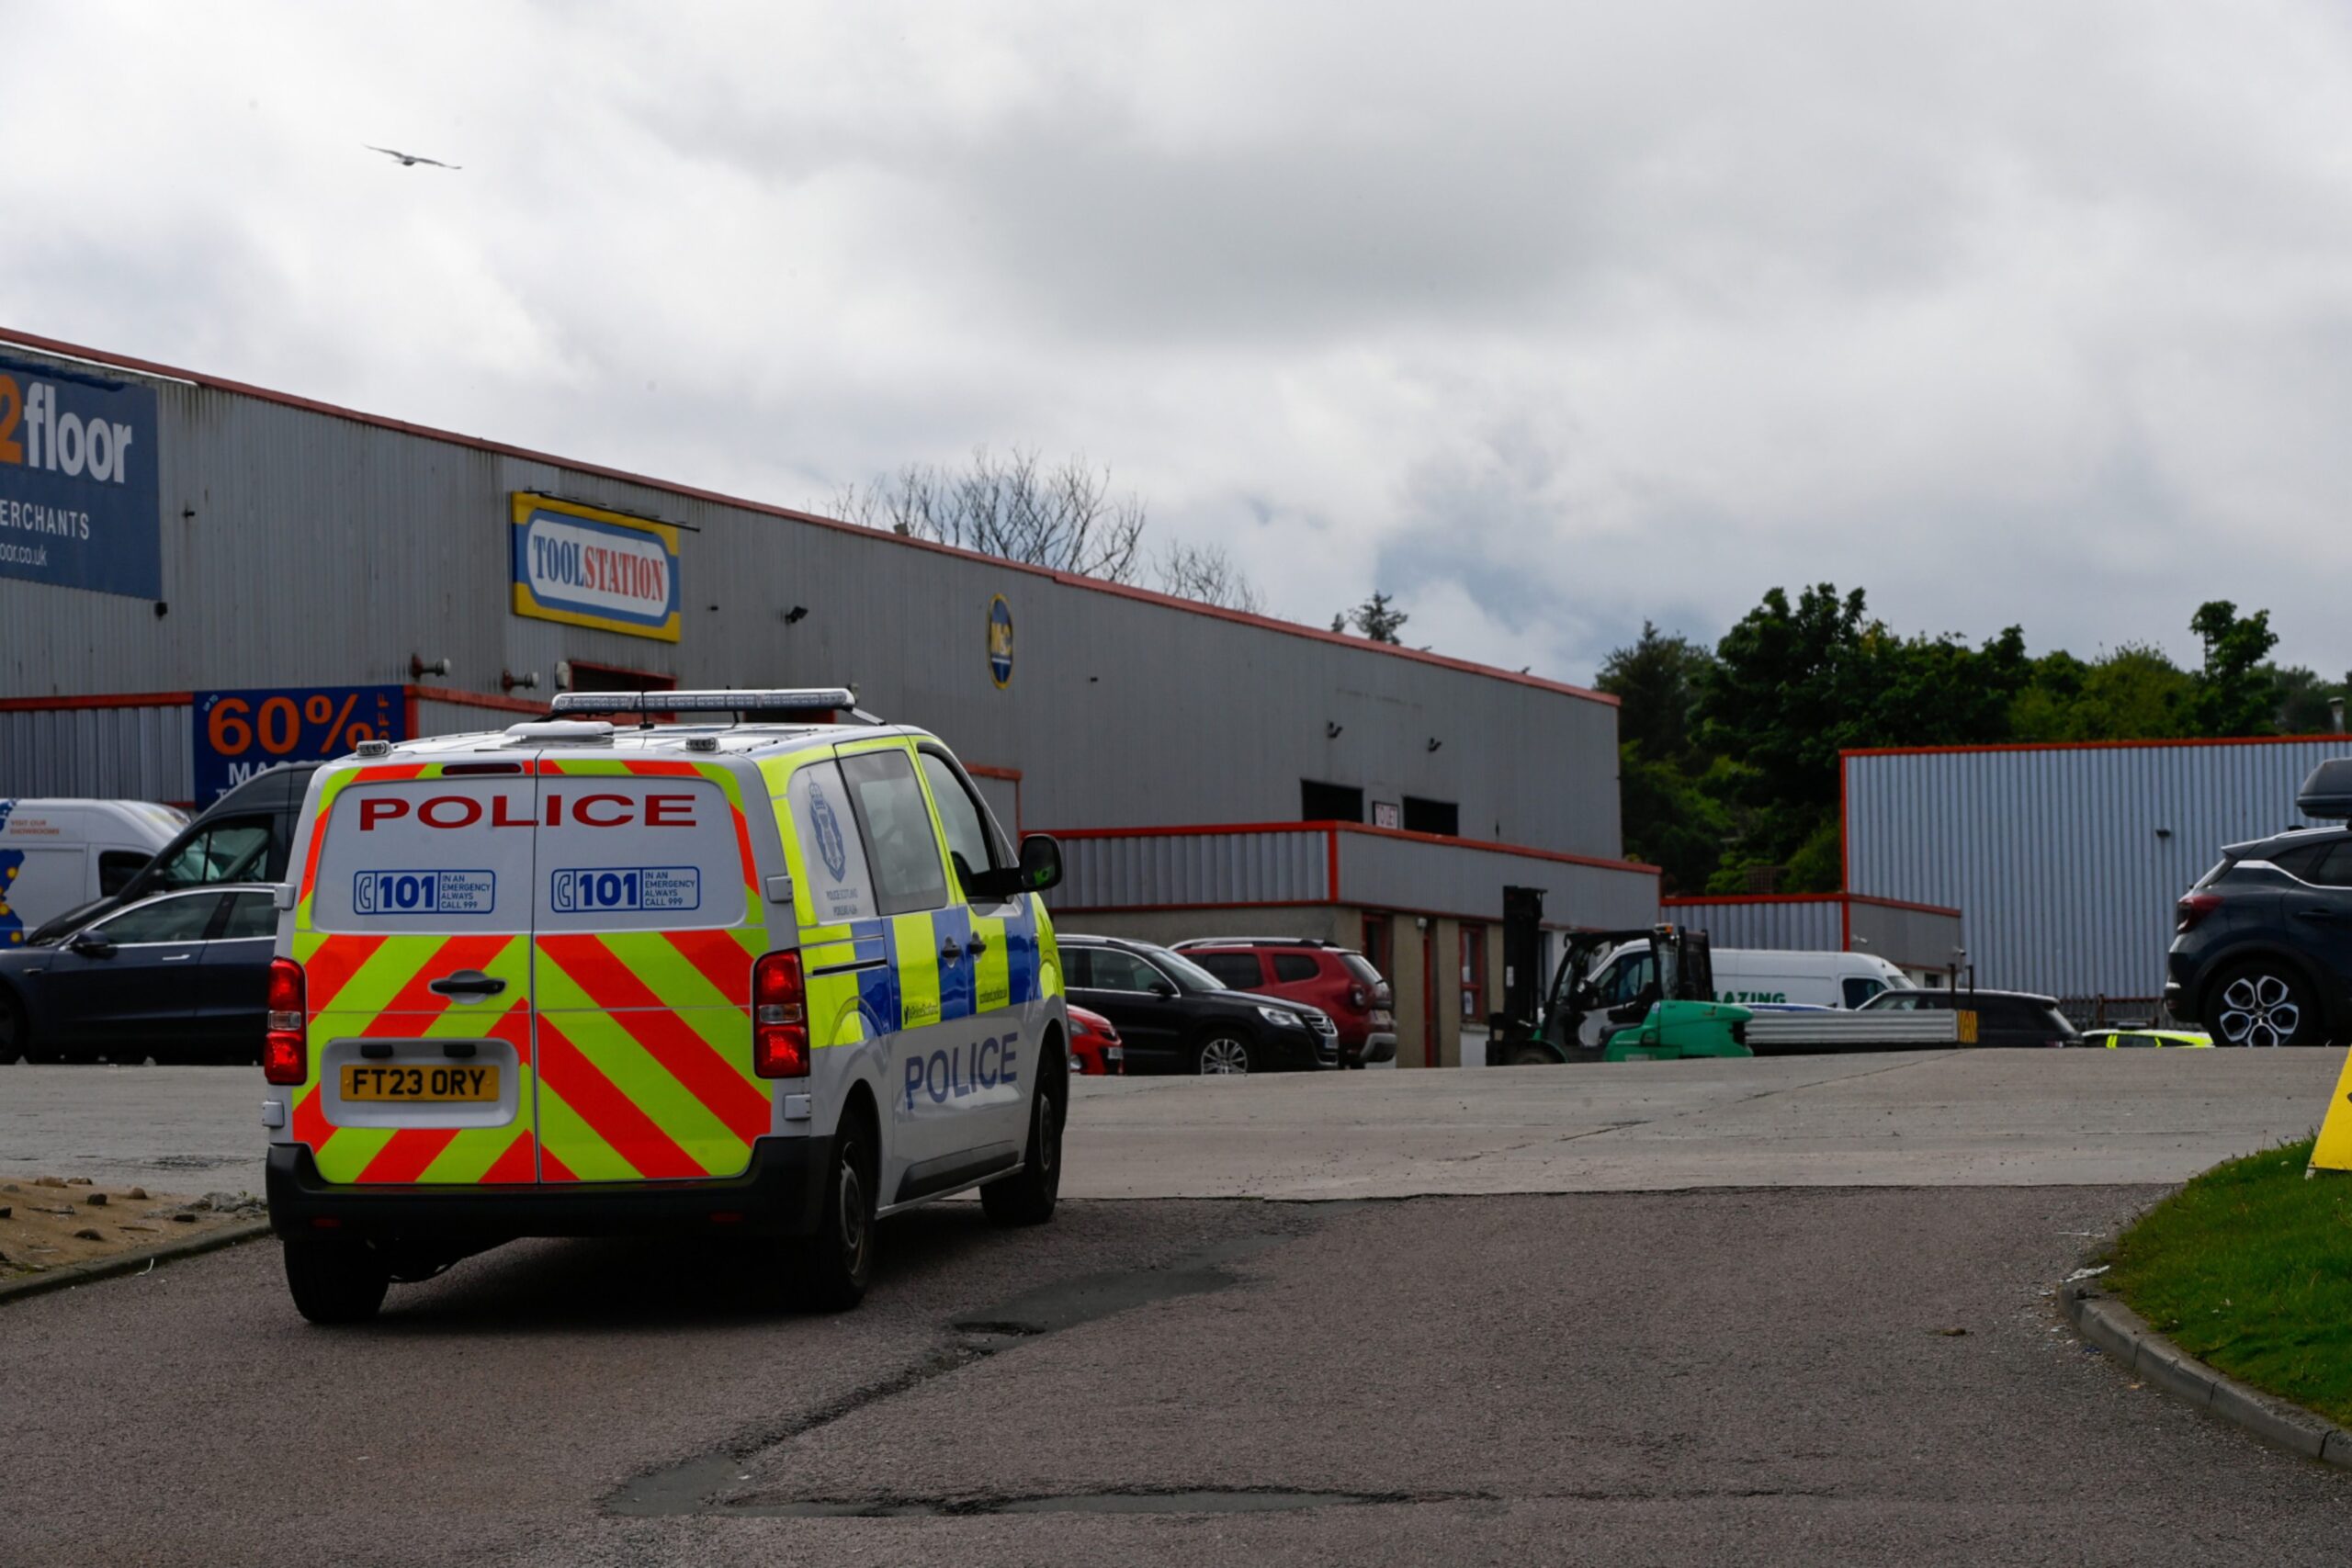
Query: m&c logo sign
{"points": [[586, 567], [77, 481]]}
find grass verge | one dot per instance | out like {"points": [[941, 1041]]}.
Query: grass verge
{"points": [[2249, 1268]]}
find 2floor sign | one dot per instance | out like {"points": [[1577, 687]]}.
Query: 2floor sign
{"points": [[78, 505]]}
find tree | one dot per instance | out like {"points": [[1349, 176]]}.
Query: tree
{"points": [[2133, 693], [1065, 518], [1207, 574], [1373, 618], [1655, 681], [1793, 685], [2233, 695], [2300, 700]]}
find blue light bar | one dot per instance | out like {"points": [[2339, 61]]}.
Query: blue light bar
{"points": [[802, 699]]}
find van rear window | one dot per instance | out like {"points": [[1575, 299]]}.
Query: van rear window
{"points": [[645, 852], [428, 855]]}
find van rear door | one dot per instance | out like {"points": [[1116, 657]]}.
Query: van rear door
{"points": [[647, 930], [412, 925]]}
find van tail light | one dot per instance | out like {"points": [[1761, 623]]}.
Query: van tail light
{"points": [[779, 1018], [2195, 906], [286, 1049]]}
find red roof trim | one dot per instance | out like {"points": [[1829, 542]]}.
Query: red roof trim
{"points": [[9, 337], [1199, 828], [472, 700], [1873, 899], [2343, 740], [116, 699]]}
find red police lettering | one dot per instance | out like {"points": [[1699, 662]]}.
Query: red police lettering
{"points": [[386, 808], [669, 810], [466, 804], [497, 817], [579, 811]]}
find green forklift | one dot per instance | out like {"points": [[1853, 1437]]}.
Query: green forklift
{"points": [[1673, 1016]]}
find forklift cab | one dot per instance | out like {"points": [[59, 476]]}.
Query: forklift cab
{"points": [[1581, 1008]]}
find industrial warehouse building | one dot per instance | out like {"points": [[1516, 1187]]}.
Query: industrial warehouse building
{"points": [[201, 579], [2066, 858]]}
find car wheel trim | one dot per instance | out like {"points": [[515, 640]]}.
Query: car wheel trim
{"points": [[1225, 1055], [2259, 1010]]}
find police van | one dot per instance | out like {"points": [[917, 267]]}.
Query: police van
{"points": [[588, 977]]}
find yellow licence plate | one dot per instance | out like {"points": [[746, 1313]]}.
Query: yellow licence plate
{"points": [[419, 1084]]}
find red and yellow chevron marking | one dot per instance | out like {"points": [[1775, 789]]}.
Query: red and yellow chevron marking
{"points": [[376, 986], [645, 1066]]}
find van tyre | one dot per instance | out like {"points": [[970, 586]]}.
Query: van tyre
{"points": [[1222, 1054], [2264, 1003], [335, 1282], [1027, 1197], [832, 1269]]}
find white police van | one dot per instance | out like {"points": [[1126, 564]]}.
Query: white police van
{"points": [[769, 979]]}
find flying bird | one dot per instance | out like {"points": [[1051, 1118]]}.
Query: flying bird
{"points": [[411, 160]]}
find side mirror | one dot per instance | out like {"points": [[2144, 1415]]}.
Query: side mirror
{"points": [[1041, 862], [1163, 990], [90, 944], [1040, 868]]}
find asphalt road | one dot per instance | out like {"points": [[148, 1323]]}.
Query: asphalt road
{"points": [[1761, 1374], [1968, 1117]]}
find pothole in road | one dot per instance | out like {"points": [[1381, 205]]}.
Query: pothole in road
{"points": [[690, 1487]]}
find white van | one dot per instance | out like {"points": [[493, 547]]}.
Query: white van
{"points": [[1750, 977], [57, 855]]}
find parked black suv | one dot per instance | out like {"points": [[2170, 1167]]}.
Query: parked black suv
{"points": [[2003, 1018], [2262, 947], [1174, 1016]]}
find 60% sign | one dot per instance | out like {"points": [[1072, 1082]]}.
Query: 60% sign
{"points": [[282, 724]]}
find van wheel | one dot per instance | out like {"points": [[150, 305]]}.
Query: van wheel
{"points": [[832, 1269], [335, 1282], [1221, 1054], [1027, 1199], [2264, 1003]]}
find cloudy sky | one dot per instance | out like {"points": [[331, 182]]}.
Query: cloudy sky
{"points": [[1545, 317]]}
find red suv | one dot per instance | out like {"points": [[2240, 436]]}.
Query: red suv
{"points": [[1321, 974]]}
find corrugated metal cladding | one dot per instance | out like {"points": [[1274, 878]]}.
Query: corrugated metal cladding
{"points": [[128, 753], [1915, 939], [305, 548], [1779, 926], [2066, 862], [1141, 870], [143, 752], [1381, 872]]}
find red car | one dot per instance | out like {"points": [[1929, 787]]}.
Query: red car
{"points": [[1094, 1048], [1320, 974]]}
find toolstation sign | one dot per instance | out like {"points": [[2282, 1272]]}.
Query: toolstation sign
{"points": [[586, 567]]}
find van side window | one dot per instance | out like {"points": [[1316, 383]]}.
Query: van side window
{"points": [[116, 867], [1861, 989], [896, 824], [969, 843]]}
